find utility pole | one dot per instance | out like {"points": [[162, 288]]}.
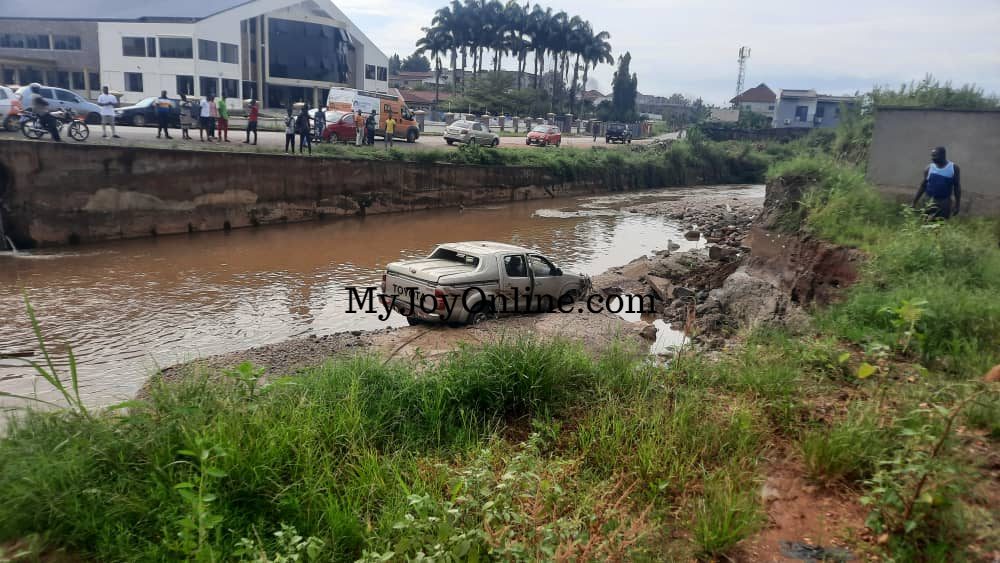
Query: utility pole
{"points": [[744, 55]]}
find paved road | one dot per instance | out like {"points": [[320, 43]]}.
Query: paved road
{"points": [[271, 140]]}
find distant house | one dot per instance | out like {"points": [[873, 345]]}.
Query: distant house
{"points": [[724, 115], [423, 99], [806, 108], [759, 99], [406, 79], [593, 96]]}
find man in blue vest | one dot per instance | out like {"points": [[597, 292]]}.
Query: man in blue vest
{"points": [[941, 183]]}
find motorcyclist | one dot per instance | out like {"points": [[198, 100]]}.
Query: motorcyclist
{"points": [[40, 106]]}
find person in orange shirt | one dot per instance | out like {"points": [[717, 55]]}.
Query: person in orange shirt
{"points": [[359, 128]]}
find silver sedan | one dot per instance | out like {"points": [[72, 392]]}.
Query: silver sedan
{"points": [[470, 133]]}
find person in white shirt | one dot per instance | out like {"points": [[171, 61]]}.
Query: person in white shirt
{"points": [[108, 103]]}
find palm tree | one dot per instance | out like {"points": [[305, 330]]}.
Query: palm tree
{"points": [[435, 43], [596, 52], [517, 18], [541, 32], [483, 27]]}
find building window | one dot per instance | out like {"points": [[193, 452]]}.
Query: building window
{"points": [[382, 72], [176, 48], [151, 47], [185, 85], [134, 46], [12, 40], [208, 86], [36, 41], [230, 53], [95, 81], [60, 78], [76, 79], [328, 58], [836, 111], [230, 88], [250, 89], [29, 75], [770, 107], [8, 76], [208, 50], [370, 72], [820, 111], [133, 82], [801, 113], [66, 42]]}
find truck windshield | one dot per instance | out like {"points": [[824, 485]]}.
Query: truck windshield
{"points": [[454, 256]]}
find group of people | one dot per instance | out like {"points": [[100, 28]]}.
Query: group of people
{"points": [[364, 129], [212, 117]]}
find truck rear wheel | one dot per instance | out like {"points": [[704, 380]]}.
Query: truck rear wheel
{"points": [[481, 314]]}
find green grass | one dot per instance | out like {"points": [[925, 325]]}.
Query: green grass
{"points": [[850, 449], [684, 163]]}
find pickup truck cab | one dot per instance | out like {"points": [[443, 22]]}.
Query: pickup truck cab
{"points": [[469, 282]]}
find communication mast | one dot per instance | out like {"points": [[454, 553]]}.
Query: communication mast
{"points": [[744, 55]]}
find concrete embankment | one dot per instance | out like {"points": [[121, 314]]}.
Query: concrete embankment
{"points": [[52, 194]]}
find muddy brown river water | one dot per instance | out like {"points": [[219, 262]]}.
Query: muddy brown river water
{"points": [[129, 306]]}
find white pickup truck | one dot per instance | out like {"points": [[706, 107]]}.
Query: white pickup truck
{"points": [[469, 282]]}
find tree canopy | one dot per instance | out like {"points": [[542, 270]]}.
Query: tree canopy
{"points": [[488, 30]]}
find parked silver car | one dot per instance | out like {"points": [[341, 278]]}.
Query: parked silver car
{"points": [[470, 133], [469, 282], [60, 98]]}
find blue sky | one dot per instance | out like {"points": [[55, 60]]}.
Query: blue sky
{"points": [[690, 46]]}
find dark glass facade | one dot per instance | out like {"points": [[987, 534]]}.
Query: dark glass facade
{"points": [[309, 51]]}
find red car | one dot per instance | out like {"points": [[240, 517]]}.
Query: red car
{"points": [[543, 135], [339, 127]]}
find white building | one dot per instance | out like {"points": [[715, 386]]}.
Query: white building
{"points": [[278, 51]]}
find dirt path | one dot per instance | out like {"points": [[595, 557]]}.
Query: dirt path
{"points": [[801, 516]]}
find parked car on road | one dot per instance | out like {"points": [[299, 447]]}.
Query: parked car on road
{"points": [[59, 98], [10, 107], [618, 133], [470, 133], [143, 113], [544, 135], [469, 282], [339, 126]]}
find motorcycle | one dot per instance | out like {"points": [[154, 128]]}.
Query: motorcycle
{"points": [[33, 128]]}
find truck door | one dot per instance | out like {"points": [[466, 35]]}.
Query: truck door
{"points": [[546, 285], [516, 285]]}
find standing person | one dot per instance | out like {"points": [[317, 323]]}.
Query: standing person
{"points": [[597, 130], [370, 125], [303, 129], [186, 117], [252, 122], [223, 119], [319, 124], [390, 129], [213, 112], [203, 116], [207, 117], [290, 130], [359, 128], [942, 182], [108, 103], [163, 105]]}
